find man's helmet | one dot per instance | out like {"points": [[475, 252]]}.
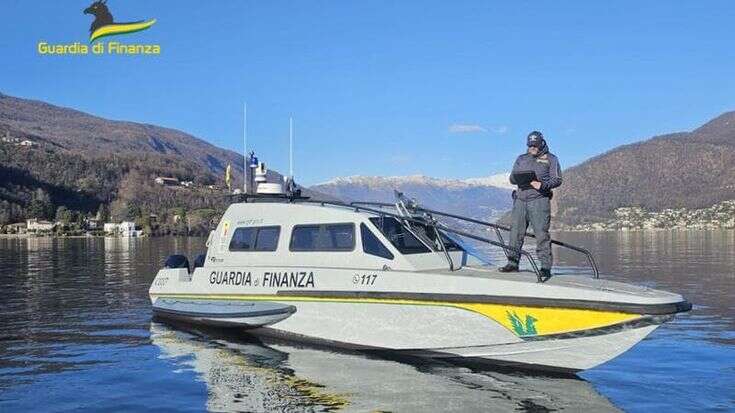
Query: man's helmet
{"points": [[535, 139]]}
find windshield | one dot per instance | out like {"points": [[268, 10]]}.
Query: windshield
{"points": [[399, 236], [402, 238]]}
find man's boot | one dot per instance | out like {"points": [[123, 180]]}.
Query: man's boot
{"points": [[509, 267], [545, 273]]}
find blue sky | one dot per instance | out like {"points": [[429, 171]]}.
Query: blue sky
{"points": [[446, 89]]}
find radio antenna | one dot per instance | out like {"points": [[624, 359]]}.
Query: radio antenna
{"points": [[245, 148], [290, 147]]}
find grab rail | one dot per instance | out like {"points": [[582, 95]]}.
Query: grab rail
{"points": [[497, 227], [505, 247]]}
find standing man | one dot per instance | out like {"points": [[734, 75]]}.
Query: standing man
{"points": [[536, 173]]}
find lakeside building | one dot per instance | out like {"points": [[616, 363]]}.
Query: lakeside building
{"points": [[124, 229], [36, 225], [92, 223], [17, 228]]}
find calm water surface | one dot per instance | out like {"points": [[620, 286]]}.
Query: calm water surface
{"points": [[76, 334]]}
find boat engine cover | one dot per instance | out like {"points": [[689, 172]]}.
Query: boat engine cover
{"points": [[177, 261]]}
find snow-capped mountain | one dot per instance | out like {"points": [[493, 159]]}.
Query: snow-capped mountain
{"points": [[498, 180], [476, 198], [501, 180]]}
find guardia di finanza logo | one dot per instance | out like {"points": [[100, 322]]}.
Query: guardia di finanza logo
{"points": [[104, 25]]}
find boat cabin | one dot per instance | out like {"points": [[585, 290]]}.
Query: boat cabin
{"points": [[299, 234]]}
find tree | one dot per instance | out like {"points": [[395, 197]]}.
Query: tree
{"points": [[5, 213], [118, 210], [133, 212], [39, 209], [63, 214], [103, 214], [40, 206]]}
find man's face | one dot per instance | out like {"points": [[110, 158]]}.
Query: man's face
{"points": [[532, 150]]}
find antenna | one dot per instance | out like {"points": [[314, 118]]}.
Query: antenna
{"points": [[245, 148], [290, 147]]}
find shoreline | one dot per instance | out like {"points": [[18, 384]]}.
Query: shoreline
{"points": [[12, 236], [675, 229], [573, 230]]}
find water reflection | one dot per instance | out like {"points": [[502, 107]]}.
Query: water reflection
{"points": [[242, 373]]}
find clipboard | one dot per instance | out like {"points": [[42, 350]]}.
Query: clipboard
{"points": [[524, 178]]}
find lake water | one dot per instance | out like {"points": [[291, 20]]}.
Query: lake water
{"points": [[76, 333]]}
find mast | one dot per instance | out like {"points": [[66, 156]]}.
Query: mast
{"points": [[245, 148], [290, 148]]}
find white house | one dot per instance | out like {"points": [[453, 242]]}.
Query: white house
{"points": [[162, 180], [18, 228], [92, 223], [36, 225], [127, 229], [123, 229]]}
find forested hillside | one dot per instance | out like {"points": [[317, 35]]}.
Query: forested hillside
{"points": [[54, 159], [683, 170]]}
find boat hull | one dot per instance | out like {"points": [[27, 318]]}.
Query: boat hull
{"points": [[569, 324], [436, 331]]}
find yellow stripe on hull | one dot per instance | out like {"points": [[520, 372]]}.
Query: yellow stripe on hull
{"points": [[522, 320], [113, 29]]}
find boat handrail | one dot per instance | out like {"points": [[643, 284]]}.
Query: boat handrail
{"points": [[505, 247], [497, 227]]}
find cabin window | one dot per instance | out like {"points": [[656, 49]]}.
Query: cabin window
{"points": [[372, 245], [255, 239], [323, 237], [399, 236]]}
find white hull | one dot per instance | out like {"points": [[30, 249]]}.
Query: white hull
{"points": [[438, 332], [434, 331]]}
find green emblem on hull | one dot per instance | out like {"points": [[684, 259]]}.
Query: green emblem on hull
{"points": [[522, 329]]}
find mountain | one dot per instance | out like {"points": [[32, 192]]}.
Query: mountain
{"points": [[681, 170], [471, 198], [53, 157], [501, 180], [69, 130]]}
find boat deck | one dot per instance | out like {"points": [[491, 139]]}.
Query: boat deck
{"points": [[574, 281]]}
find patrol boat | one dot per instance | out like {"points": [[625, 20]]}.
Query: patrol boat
{"points": [[378, 276]]}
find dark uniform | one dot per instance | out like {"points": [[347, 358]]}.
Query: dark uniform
{"points": [[531, 205]]}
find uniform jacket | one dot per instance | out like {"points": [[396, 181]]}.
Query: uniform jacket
{"points": [[548, 172]]}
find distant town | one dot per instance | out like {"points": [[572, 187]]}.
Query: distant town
{"points": [[718, 216]]}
